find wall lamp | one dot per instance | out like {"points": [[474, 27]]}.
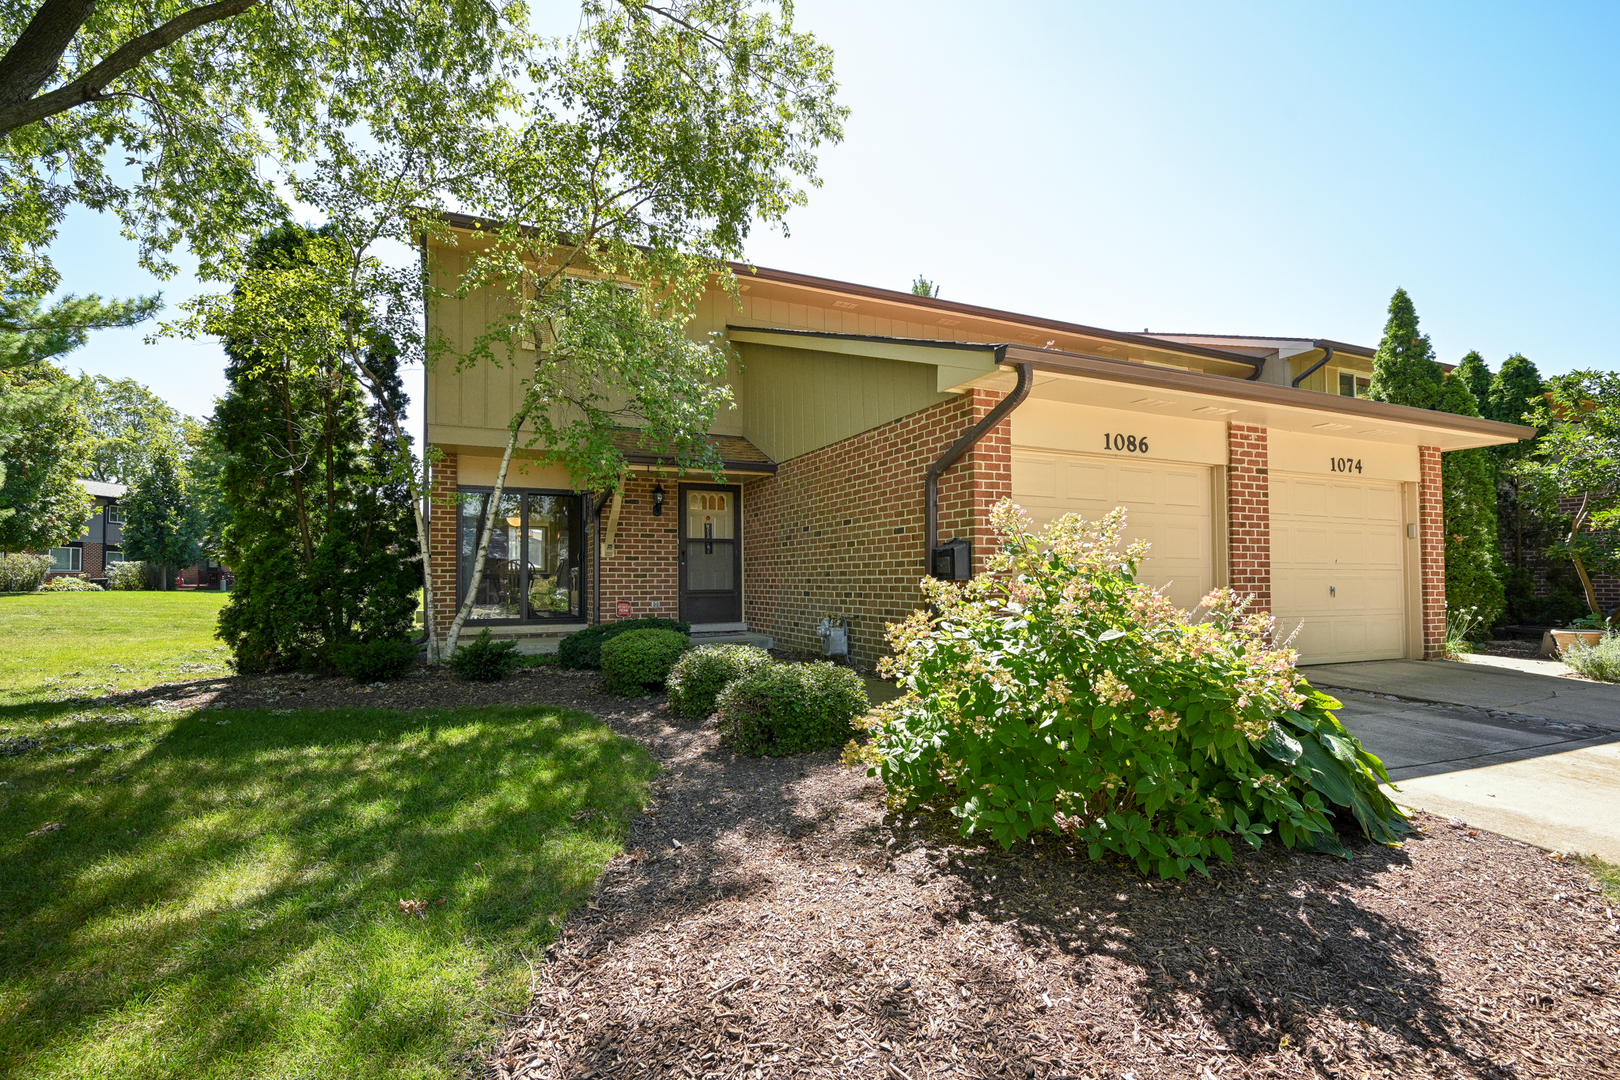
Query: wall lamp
{"points": [[658, 500]]}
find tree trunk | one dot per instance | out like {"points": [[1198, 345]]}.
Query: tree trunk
{"points": [[1575, 527], [163, 575], [483, 541]]}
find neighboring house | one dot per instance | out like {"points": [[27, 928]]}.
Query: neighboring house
{"points": [[101, 543], [1324, 507]]}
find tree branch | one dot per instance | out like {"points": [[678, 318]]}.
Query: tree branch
{"points": [[34, 56], [89, 86]]}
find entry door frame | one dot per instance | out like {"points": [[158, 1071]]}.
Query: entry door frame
{"points": [[685, 596]]}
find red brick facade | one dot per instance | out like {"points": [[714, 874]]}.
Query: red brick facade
{"points": [[1432, 551], [840, 530], [644, 565], [442, 510], [1248, 513]]}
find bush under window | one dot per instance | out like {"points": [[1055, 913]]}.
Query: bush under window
{"points": [[483, 659], [783, 709], [584, 649], [1056, 693], [698, 677], [23, 573], [69, 584], [634, 661]]}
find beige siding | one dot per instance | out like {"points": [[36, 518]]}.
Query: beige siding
{"points": [[793, 401]]}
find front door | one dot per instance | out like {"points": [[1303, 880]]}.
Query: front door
{"points": [[711, 554]]}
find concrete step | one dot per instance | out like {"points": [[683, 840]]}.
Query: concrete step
{"points": [[733, 637]]}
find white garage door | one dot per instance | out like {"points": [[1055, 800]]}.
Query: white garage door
{"points": [[1337, 566], [1166, 505]]}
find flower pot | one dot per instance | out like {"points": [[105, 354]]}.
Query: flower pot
{"points": [[1562, 639]]}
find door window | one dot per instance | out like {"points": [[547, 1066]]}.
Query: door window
{"points": [[711, 533]]}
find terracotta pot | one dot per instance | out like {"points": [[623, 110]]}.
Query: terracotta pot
{"points": [[1563, 638]]}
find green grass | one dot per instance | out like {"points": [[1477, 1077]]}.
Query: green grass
{"points": [[57, 643], [222, 897], [1608, 876]]}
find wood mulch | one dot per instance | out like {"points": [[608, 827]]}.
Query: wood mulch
{"points": [[770, 919]]}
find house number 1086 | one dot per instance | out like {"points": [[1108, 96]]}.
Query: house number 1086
{"points": [[1131, 444]]}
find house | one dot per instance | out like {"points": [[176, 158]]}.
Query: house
{"points": [[101, 543], [871, 426]]}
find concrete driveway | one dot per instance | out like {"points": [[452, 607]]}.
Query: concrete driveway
{"points": [[1531, 756]]}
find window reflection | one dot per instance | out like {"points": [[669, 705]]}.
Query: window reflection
{"points": [[533, 569]]}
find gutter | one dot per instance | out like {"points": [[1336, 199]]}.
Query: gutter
{"points": [[1314, 368], [1026, 380]]}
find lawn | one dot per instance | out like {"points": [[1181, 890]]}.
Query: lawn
{"points": [[213, 893]]}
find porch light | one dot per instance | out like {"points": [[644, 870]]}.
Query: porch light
{"points": [[658, 500]]}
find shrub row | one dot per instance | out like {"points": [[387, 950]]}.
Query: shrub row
{"points": [[780, 709], [23, 573], [638, 659], [584, 649]]}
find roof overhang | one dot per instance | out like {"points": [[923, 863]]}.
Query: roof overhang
{"points": [[1109, 383], [958, 363]]}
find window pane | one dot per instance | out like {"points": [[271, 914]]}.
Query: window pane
{"points": [[66, 558], [499, 594], [709, 515], [553, 556], [113, 557], [710, 565]]}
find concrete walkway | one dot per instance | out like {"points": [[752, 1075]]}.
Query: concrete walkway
{"points": [[1530, 756]]}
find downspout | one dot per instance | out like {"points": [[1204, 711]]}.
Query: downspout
{"points": [[1026, 377], [1314, 368]]}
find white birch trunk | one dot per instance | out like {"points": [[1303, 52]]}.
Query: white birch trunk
{"points": [[483, 542]]}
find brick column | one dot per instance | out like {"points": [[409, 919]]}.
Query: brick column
{"points": [[982, 478], [1432, 551], [1248, 513], [442, 514]]}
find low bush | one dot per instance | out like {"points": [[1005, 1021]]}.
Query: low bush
{"points": [[375, 661], [126, 576], [69, 584], [783, 709], [698, 677], [23, 573], [633, 661], [1600, 661], [584, 649], [1056, 693], [484, 659]]}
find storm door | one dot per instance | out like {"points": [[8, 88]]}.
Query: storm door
{"points": [[711, 554]]}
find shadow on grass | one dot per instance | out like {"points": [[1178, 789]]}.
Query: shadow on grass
{"points": [[226, 900]]}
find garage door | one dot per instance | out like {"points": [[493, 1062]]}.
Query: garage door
{"points": [[1166, 505], [1337, 567]]}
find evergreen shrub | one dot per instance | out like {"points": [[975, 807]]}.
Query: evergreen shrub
{"points": [[126, 576], [483, 659], [633, 661], [69, 584], [376, 661], [1056, 693], [781, 709], [698, 677], [584, 649], [23, 573]]}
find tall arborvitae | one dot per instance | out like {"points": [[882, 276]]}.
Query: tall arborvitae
{"points": [[1476, 375], [320, 536], [1405, 372], [1525, 534]]}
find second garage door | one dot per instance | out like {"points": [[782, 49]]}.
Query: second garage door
{"points": [[1167, 505], [1337, 568]]}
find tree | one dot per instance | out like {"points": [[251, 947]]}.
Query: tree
{"points": [[196, 97], [1514, 392], [127, 423], [161, 524], [43, 442], [320, 533], [923, 287], [1475, 374], [31, 333], [1574, 473], [1405, 372]]}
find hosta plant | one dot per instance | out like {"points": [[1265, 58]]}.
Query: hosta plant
{"points": [[1057, 693]]}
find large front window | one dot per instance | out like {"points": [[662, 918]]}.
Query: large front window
{"points": [[67, 559], [533, 569]]}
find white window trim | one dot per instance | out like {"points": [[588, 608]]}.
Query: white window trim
{"points": [[75, 560]]}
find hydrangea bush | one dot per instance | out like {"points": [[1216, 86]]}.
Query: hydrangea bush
{"points": [[1057, 693]]}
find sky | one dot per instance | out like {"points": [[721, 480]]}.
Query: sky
{"points": [[1273, 169]]}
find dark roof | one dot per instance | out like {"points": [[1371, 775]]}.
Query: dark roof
{"points": [[737, 454]]}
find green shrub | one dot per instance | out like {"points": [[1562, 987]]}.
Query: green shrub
{"points": [[640, 658], [584, 649], [1600, 661], [1056, 693], [483, 659], [698, 677], [126, 576], [23, 573], [69, 584], [376, 661], [783, 709]]}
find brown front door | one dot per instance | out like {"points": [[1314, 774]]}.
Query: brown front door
{"points": [[711, 554]]}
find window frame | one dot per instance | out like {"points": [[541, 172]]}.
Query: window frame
{"points": [[464, 573], [114, 514], [78, 558]]}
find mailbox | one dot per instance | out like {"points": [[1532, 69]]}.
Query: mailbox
{"points": [[953, 560]]}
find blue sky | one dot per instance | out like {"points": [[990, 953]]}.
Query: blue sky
{"points": [[1251, 169]]}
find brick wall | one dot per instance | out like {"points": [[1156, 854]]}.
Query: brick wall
{"points": [[1432, 551], [840, 530], [1248, 513], [94, 559], [442, 511], [643, 566]]}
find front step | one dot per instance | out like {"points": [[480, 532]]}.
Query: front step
{"points": [[733, 637]]}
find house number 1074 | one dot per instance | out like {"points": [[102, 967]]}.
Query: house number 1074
{"points": [[1131, 444]]}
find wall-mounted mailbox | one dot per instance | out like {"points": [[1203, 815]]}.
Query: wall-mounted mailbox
{"points": [[953, 560]]}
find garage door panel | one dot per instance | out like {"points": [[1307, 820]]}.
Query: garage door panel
{"points": [[1168, 506], [1338, 566]]}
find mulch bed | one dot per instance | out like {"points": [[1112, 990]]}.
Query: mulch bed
{"points": [[1517, 648], [771, 919]]}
